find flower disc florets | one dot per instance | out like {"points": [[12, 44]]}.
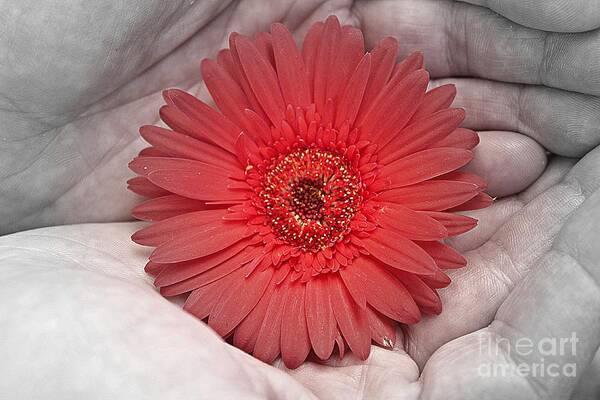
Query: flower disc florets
{"points": [[310, 196]]}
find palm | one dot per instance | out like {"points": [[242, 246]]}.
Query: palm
{"points": [[89, 134]]}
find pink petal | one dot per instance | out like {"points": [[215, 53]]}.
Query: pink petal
{"points": [[394, 107], [177, 145], [422, 166], [385, 293], [246, 333], [202, 300], [398, 252], [352, 96], [425, 297], [481, 200], [409, 223], [267, 346], [211, 126], [350, 51], [383, 59], [197, 181], [310, 47], [324, 61], [241, 298], [295, 342], [319, 316], [460, 138], [435, 100], [164, 207], [383, 329], [352, 320], [444, 255], [142, 186], [216, 273], [422, 134], [354, 285], [177, 272], [455, 224], [176, 227], [291, 72], [207, 239], [434, 195], [262, 79], [225, 91]]}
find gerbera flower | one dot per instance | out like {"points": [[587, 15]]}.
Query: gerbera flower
{"points": [[310, 211]]}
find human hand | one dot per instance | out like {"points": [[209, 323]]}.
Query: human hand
{"points": [[546, 116]]}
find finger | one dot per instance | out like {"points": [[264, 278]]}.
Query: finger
{"points": [[556, 309], [565, 123], [386, 374], [589, 385], [96, 331], [508, 161], [548, 15], [500, 263], [75, 299], [460, 39], [492, 218]]}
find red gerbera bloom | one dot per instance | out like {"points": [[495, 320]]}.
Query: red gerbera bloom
{"points": [[310, 211]]}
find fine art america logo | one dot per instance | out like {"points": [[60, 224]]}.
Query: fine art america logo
{"points": [[542, 357]]}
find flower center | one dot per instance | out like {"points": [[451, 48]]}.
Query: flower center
{"points": [[310, 196]]}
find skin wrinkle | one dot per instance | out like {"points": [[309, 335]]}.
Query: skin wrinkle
{"points": [[460, 277]]}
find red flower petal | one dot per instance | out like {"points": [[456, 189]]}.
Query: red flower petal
{"points": [[410, 224], [225, 91], [325, 57], [319, 317], [354, 285], [202, 300], [422, 134], [425, 297], [460, 138], [352, 320], [422, 166], [455, 224], [267, 345], [213, 274], [193, 179], [431, 195], [481, 200], [246, 333], [394, 107], [295, 342], [291, 72], [383, 329], [210, 126], [262, 79], [241, 297], [386, 293], [177, 272], [444, 255], [349, 53], [176, 227], [177, 145], [396, 251], [351, 98], [222, 234], [164, 207], [383, 59], [143, 187], [435, 100]]}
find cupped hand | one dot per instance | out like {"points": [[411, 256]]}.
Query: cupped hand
{"points": [[79, 80]]}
